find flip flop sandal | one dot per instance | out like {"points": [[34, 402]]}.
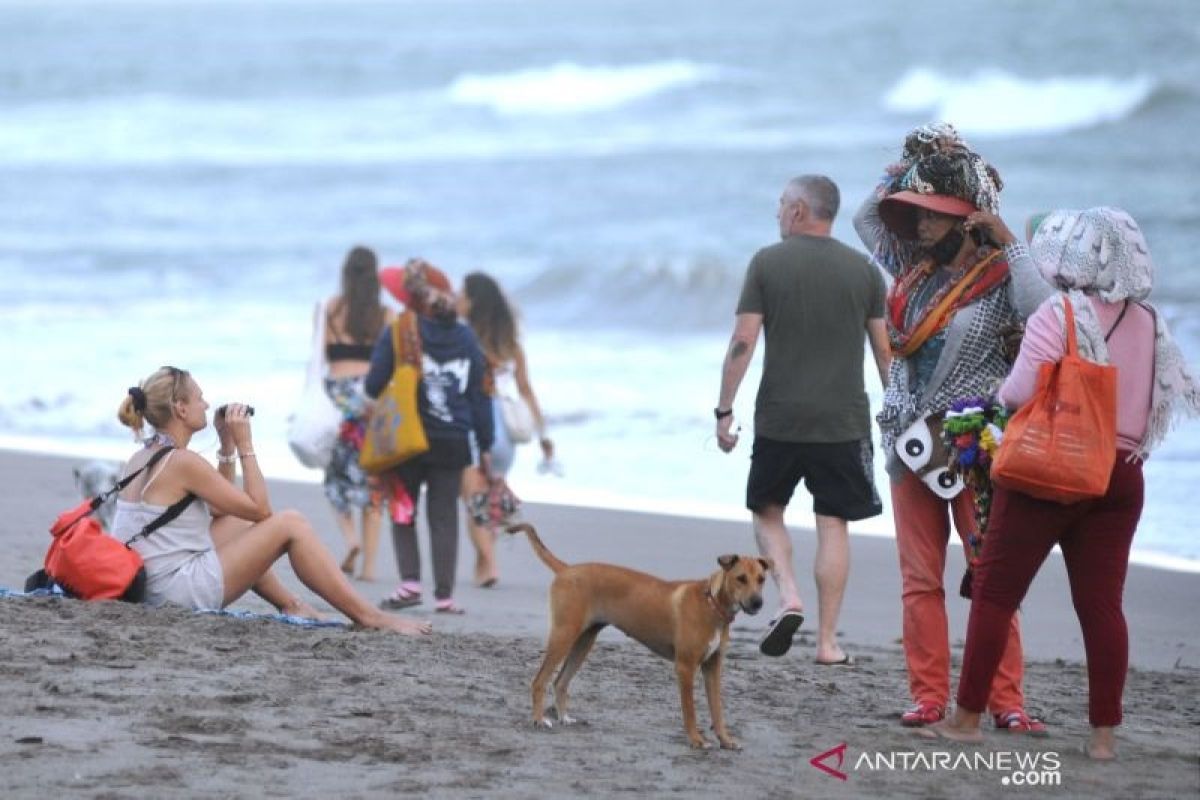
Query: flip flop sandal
{"points": [[778, 639], [921, 714], [449, 607], [845, 661], [1017, 721], [401, 598]]}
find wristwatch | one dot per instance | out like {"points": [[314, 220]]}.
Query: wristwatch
{"points": [[719, 414]]}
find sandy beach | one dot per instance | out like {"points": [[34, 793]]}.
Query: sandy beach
{"points": [[110, 700]]}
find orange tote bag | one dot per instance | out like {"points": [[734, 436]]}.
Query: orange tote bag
{"points": [[1062, 444]]}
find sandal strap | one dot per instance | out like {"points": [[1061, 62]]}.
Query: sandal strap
{"points": [[1017, 718], [925, 709]]}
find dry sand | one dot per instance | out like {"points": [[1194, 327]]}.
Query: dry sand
{"points": [[109, 700]]}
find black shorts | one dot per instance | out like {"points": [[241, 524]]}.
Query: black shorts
{"points": [[839, 475]]}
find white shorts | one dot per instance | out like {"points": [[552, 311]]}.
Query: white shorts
{"points": [[196, 583]]}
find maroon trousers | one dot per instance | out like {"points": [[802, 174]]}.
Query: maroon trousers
{"points": [[1095, 537]]}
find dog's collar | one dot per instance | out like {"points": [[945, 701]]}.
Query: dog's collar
{"points": [[725, 616]]}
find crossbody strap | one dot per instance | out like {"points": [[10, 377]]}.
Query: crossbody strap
{"points": [[104, 497], [1120, 317], [169, 514]]}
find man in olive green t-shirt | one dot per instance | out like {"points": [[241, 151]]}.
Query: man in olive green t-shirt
{"points": [[818, 301]]}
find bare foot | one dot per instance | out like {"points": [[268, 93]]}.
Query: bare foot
{"points": [[831, 655], [946, 730], [1102, 746], [398, 624], [485, 572], [299, 608], [348, 561]]}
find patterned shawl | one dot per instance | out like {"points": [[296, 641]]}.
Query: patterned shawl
{"points": [[1102, 252], [909, 328], [936, 160]]}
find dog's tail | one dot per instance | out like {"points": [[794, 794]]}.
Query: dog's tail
{"points": [[542, 551]]}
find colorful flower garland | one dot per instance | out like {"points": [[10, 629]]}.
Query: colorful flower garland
{"points": [[972, 431]]}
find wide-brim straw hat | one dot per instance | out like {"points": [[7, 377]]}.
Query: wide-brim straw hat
{"points": [[899, 211]]}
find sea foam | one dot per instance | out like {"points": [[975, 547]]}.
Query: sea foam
{"points": [[569, 88], [993, 103]]}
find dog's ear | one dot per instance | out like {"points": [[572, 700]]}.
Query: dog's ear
{"points": [[767, 564], [727, 562]]}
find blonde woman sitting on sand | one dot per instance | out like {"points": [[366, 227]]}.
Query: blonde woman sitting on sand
{"points": [[204, 559]]}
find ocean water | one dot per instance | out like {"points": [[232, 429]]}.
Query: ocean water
{"points": [[180, 181]]}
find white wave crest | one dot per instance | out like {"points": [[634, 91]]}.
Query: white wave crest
{"points": [[568, 88], [995, 103]]}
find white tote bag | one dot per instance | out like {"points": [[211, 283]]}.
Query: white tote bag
{"points": [[313, 426], [518, 417]]}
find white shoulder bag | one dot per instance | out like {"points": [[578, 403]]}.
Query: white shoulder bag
{"points": [[313, 426], [518, 417]]}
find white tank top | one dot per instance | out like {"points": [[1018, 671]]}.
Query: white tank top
{"points": [[167, 548]]}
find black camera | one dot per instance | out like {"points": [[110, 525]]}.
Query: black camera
{"points": [[221, 411]]}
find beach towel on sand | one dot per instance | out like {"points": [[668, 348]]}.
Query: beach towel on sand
{"points": [[303, 622]]}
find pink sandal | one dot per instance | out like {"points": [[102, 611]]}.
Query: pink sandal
{"points": [[923, 713], [404, 597], [1017, 721], [448, 606]]}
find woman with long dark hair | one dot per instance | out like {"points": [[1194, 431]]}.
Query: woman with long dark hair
{"points": [[353, 320], [483, 304]]}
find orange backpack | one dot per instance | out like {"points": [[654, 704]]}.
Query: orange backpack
{"points": [[91, 565], [1062, 444]]}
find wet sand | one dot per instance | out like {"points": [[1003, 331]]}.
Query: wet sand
{"points": [[110, 700]]}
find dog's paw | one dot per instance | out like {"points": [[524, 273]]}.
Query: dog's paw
{"points": [[567, 719], [545, 723], [730, 744], [698, 743]]}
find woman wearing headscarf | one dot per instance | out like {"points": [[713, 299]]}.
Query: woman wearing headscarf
{"points": [[453, 403], [961, 280], [1100, 260]]}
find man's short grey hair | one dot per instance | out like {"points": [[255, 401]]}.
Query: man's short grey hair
{"points": [[819, 192]]}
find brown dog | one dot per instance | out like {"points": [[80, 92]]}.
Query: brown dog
{"points": [[684, 621]]}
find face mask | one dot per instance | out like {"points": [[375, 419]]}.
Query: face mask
{"points": [[948, 246]]}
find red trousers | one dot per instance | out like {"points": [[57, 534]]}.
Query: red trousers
{"points": [[1095, 537], [922, 537]]}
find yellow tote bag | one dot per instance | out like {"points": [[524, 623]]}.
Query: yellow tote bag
{"points": [[394, 432]]}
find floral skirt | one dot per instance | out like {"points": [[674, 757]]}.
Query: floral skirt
{"points": [[347, 485]]}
